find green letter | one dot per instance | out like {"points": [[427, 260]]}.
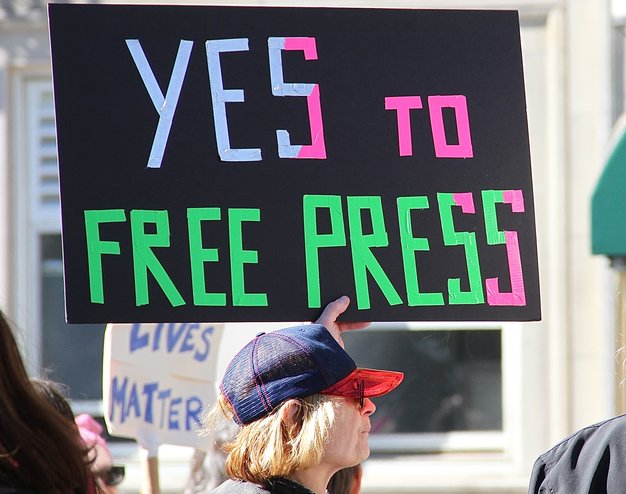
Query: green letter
{"points": [[144, 259], [468, 239], [362, 258], [410, 245], [96, 247], [517, 295], [239, 257], [490, 198], [198, 255], [313, 240]]}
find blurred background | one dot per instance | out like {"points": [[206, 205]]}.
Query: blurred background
{"points": [[481, 401]]}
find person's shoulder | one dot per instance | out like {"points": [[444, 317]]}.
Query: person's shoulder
{"points": [[583, 458], [606, 432], [238, 486]]}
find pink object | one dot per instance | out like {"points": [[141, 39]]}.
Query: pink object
{"points": [[466, 201], [515, 198], [307, 45], [442, 149], [90, 432], [403, 105], [317, 148], [517, 296]]}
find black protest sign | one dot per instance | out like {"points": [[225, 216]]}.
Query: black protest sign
{"points": [[252, 164]]}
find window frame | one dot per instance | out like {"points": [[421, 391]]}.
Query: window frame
{"points": [[29, 221], [456, 441]]}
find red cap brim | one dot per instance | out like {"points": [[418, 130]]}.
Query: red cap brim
{"points": [[375, 383]]}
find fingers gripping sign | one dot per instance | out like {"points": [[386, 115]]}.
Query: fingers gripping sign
{"points": [[329, 316]]}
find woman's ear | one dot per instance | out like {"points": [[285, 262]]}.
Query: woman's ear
{"points": [[290, 412]]}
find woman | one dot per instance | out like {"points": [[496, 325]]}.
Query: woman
{"points": [[40, 450], [303, 406], [104, 475]]}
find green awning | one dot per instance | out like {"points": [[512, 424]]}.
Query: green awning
{"points": [[608, 204]]}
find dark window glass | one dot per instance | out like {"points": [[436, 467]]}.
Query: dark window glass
{"points": [[453, 379], [71, 353]]}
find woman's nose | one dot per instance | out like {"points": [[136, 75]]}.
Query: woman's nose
{"points": [[368, 406]]}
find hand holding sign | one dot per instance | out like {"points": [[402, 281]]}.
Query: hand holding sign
{"points": [[329, 316]]}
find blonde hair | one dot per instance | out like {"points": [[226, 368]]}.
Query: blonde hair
{"points": [[270, 446]]}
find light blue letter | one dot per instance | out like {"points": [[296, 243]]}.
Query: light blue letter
{"points": [[221, 96], [165, 106]]}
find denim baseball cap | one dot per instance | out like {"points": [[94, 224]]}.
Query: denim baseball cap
{"points": [[294, 363]]}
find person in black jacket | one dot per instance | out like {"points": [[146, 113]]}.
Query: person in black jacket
{"points": [[302, 405], [590, 461]]}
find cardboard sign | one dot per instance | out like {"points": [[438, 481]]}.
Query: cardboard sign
{"points": [[252, 164], [158, 379]]}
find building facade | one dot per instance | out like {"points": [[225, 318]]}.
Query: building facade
{"points": [[485, 399]]}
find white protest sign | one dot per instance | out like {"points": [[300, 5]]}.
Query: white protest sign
{"points": [[158, 379]]}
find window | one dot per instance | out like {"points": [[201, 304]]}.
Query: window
{"points": [[453, 383], [71, 354]]}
